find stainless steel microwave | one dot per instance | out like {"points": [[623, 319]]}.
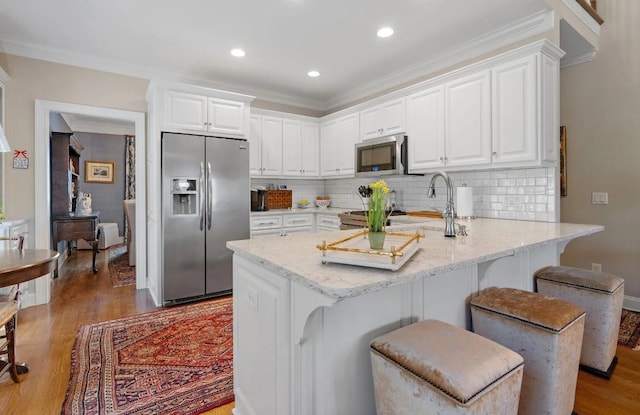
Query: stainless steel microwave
{"points": [[382, 156]]}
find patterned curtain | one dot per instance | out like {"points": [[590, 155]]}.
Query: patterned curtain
{"points": [[129, 173], [130, 167]]}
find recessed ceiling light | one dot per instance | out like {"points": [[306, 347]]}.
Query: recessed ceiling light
{"points": [[238, 53], [313, 74], [385, 32]]}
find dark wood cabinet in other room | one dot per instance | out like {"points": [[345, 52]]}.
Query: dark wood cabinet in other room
{"points": [[65, 166]]}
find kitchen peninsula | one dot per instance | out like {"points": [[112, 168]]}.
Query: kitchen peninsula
{"points": [[302, 328]]}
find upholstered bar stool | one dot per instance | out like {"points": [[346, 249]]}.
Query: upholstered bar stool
{"points": [[432, 367], [547, 332], [601, 295]]}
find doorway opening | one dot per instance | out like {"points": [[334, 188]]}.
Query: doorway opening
{"points": [[42, 217]]}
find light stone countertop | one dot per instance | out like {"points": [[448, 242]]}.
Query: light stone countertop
{"points": [[296, 257]]}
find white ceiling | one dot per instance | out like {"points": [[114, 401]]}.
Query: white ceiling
{"points": [[189, 41]]}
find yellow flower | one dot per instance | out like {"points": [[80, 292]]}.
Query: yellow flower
{"points": [[378, 204]]}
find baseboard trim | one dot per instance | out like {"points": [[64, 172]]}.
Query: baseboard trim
{"points": [[631, 303]]}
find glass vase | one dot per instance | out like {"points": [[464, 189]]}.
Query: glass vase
{"points": [[376, 240]]}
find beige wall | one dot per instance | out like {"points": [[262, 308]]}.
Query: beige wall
{"points": [[600, 105], [32, 79]]}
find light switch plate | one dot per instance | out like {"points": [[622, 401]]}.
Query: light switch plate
{"points": [[599, 198]]}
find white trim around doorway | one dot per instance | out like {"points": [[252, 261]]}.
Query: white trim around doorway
{"points": [[42, 218]]}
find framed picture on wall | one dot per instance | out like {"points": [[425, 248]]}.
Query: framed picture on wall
{"points": [[98, 171]]}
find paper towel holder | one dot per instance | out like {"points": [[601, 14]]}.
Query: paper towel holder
{"points": [[465, 217]]}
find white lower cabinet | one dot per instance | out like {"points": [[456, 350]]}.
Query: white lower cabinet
{"points": [[280, 224], [327, 222]]}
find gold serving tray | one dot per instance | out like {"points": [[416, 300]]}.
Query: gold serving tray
{"points": [[398, 248]]}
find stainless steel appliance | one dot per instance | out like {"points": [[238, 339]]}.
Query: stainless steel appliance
{"points": [[382, 156], [204, 204], [259, 199]]}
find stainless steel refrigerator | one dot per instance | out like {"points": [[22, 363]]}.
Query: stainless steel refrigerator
{"points": [[205, 203]]}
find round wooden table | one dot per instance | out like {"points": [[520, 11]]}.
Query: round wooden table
{"points": [[21, 265]]}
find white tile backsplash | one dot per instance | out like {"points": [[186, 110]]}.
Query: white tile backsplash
{"points": [[523, 194]]}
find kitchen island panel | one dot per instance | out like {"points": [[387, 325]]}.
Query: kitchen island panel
{"points": [[302, 328]]}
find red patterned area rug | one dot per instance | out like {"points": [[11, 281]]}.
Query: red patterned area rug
{"points": [[121, 273], [629, 334], [176, 361]]}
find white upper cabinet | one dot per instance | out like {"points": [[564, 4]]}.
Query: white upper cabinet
{"points": [[271, 146], [515, 130], [185, 111], [300, 148], [425, 129], [382, 120], [505, 114], [309, 154], [265, 146], [468, 120], [226, 116], [202, 113], [337, 142]]}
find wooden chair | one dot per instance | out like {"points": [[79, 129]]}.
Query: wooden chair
{"points": [[8, 315]]}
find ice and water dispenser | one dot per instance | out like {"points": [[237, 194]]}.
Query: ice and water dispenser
{"points": [[185, 196]]}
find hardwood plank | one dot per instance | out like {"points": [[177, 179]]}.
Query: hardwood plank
{"points": [[46, 334]]}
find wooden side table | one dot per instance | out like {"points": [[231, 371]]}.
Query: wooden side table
{"points": [[71, 228]]}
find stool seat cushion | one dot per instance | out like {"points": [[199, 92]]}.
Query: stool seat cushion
{"points": [[582, 278], [546, 312], [455, 361]]}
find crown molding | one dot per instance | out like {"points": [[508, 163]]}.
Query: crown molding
{"points": [[535, 24], [13, 47], [577, 59], [514, 32]]}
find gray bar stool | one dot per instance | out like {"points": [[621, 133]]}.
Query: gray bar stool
{"points": [[601, 295], [547, 332], [432, 367]]}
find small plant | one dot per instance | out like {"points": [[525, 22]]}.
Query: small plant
{"points": [[378, 203]]}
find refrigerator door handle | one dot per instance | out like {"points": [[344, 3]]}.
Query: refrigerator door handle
{"points": [[209, 195], [202, 206]]}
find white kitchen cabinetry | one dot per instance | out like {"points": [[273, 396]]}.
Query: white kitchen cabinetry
{"points": [[337, 143], [300, 141], [468, 121], [449, 125], [503, 115], [325, 222], [265, 146], [513, 112], [382, 120], [280, 225], [203, 113], [425, 129]]}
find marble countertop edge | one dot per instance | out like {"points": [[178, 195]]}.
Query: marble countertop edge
{"points": [[351, 281]]}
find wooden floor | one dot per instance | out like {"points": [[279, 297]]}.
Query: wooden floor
{"points": [[46, 334]]}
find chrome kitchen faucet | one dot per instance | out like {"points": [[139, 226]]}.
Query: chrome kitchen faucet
{"points": [[449, 211]]}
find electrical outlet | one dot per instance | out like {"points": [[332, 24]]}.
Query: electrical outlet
{"points": [[252, 298], [596, 267], [599, 198]]}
